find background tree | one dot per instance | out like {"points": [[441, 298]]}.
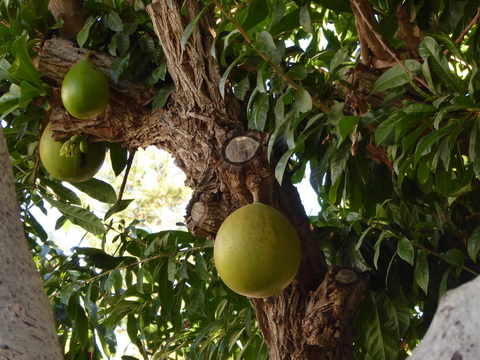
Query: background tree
{"points": [[379, 98]]}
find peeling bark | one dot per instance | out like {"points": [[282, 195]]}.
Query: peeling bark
{"points": [[27, 327]]}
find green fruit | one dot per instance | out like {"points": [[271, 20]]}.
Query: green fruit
{"points": [[257, 251], [76, 168], [85, 90]]}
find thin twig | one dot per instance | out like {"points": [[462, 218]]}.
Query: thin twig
{"points": [[162, 255], [432, 252], [125, 177], [386, 47], [469, 27], [317, 103]]}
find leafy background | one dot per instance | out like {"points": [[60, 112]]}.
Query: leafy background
{"points": [[397, 183]]}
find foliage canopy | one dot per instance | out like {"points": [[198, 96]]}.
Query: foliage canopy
{"points": [[391, 135]]}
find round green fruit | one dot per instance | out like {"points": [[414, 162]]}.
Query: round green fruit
{"points": [[76, 168], [257, 251], [85, 90]]}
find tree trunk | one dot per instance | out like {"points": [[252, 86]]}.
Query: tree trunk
{"points": [[27, 328], [453, 333], [312, 318]]}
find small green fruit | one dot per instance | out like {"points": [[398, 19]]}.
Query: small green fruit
{"points": [[257, 251], [75, 168], [85, 90]]}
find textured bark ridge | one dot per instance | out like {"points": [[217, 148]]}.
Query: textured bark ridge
{"points": [[27, 328], [226, 166]]}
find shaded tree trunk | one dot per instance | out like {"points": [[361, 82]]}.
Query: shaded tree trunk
{"points": [[27, 328]]}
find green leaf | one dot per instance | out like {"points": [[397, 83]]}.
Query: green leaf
{"points": [[23, 67], [380, 326], [118, 67], [297, 72], [454, 257], [189, 29], [432, 53], [397, 75], [122, 205], [114, 22], [118, 157], [201, 267], [421, 273], [81, 326], [171, 268], [305, 20], [82, 35], [98, 190], [346, 126], [442, 288], [78, 216], [405, 250], [224, 78], [257, 12], [264, 42], [385, 132], [377, 247], [473, 244], [303, 101], [62, 192], [282, 164], [474, 148], [162, 97]]}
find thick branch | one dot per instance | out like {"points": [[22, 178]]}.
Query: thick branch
{"points": [[27, 328]]}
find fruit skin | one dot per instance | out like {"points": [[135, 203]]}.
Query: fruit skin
{"points": [[77, 168], [85, 90], [257, 251]]}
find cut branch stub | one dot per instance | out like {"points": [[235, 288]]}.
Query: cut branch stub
{"points": [[241, 149]]}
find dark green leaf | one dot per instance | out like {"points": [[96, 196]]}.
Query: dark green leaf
{"points": [[421, 273], [303, 101], [98, 190], [162, 97], [62, 192], [118, 67], [380, 325], [264, 42], [432, 53], [82, 35], [473, 244], [79, 216], [405, 250], [122, 205], [397, 75], [454, 257], [118, 157], [114, 22], [257, 12]]}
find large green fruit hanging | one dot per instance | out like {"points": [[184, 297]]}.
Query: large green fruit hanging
{"points": [[76, 168], [257, 251], [85, 90]]}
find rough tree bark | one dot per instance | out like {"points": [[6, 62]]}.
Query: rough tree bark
{"points": [[312, 318], [27, 328]]}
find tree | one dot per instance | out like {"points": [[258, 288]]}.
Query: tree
{"points": [[379, 98]]}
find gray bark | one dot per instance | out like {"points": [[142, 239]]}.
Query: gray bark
{"points": [[27, 328], [453, 333]]}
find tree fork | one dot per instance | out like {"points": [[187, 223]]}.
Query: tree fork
{"points": [[196, 126]]}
